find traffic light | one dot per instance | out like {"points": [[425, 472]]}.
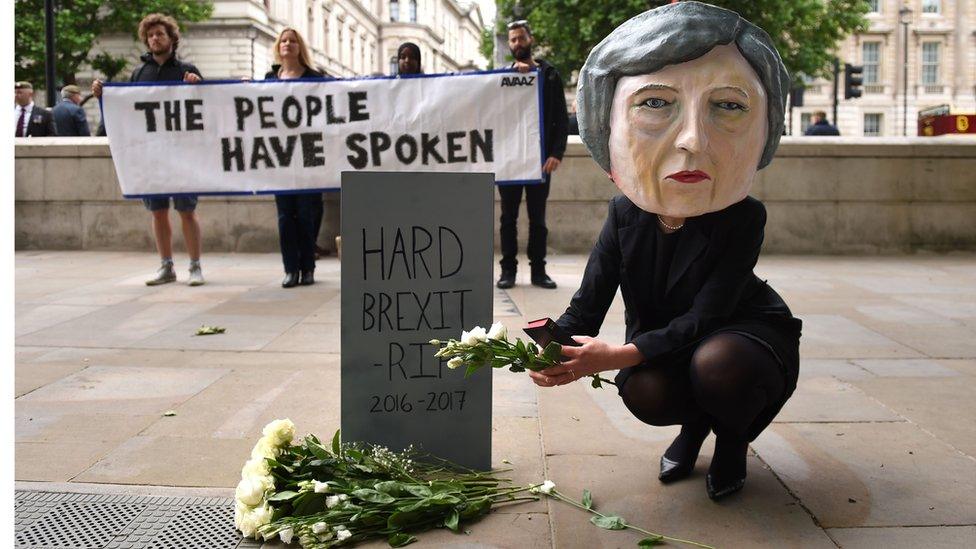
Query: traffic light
{"points": [[852, 80]]}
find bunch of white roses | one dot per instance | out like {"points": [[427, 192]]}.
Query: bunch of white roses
{"points": [[251, 509]]}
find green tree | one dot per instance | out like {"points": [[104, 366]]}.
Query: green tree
{"points": [[805, 32], [78, 24]]}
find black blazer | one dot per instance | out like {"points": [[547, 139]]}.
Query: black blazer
{"points": [[41, 123], [710, 284]]}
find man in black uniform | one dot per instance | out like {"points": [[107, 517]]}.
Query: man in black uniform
{"points": [[554, 128], [161, 35]]}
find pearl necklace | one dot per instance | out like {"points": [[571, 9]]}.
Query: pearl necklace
{"points": [[666, 226]]}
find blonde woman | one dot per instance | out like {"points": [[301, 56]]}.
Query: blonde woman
{"points": [[299, 214]]}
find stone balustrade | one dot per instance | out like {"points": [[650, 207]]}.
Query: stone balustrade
{"points": [[830, 195]]}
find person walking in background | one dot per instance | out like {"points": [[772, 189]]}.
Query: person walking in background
{"points": [[30, 120], [161, 35], [408, 59], [69, 117], [820, 125], [554, 128], [299, 214]]}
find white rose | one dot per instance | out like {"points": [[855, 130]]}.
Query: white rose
{"points": [[331, 501], [286, 535], [319, 527], [261, 515], [498, 331], [255, 467], [475, 336], [264, 449], [454, 363], [547, 487], [280, 431], [343, 535], [321, 487], [250, 491]]}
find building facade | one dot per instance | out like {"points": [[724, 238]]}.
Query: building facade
{"points": [[346, 37], [940, 39]]}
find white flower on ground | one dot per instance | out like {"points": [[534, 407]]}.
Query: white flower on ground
{"points": [[250, 490], [265, 448], [321, 487], [320, 527], [255, 467], [286, 535], [454, 363], [545, 488], [498, 331], [343, 534], [332, 501], [475, 336], [253, 519], [280, 431]]}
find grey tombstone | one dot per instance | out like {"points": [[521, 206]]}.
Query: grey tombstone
{"points": [[417, 254]]}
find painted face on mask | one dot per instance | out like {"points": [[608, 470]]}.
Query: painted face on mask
{"points": [[687, 139]]}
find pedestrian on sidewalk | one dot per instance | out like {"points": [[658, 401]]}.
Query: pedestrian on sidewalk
{"points": [[710, 346], [299, 213], [69, 117], [821, 126], [31, 120], [555, 123], [161, 36]]}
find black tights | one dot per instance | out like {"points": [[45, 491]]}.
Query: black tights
{"points": [[731, 385]]}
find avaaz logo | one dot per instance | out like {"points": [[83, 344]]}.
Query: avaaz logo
{"points": [[517, 80]]}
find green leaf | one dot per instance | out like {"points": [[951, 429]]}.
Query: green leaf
{"points": [[400, 539], [373, 496], [552, 352], [283, 496], [515, 368], [336, 443], [596, 384], [446, 487], [403, 519], [472, 368], [650, 542], [391, 487], [476, 508], [210, 330], [609, 522], [587, 499], [318, 451], [452, 520], [419, 490]]}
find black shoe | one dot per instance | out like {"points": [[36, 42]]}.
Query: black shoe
{"points": [[543, 281], [507, 280], [308, 278], [290, 280], [674, 470], [679, 459], [717, 492]]}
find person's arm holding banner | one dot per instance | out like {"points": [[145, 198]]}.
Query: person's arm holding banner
{"points": [[559, 128]]}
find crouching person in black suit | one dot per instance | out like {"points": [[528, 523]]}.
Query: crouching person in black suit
{"points": [[681, 106]]}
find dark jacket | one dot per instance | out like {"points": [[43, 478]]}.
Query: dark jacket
{"points": [[710, 282], [555, 120], [70, 119], [170, 71], [822, 128], [309, 73], [41, 123]]}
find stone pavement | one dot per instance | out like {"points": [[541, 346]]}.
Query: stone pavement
{"points": [[876, 448]]}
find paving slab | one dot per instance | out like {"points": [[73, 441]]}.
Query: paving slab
{"points": [[947, 412], [826, 399], [905, 537], [764, 514], [835, 336], [872, 474], [909, 367], [57, 461]]}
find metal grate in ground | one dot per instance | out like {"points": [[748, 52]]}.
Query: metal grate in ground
{"points": [[57, 520]]}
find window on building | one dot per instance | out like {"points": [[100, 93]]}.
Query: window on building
{"points": [[931, 6], [325, 32], [872, 124], [871, 60], [930, 63], [804, 121], [394, 10], [874, 6], [413, 11]]}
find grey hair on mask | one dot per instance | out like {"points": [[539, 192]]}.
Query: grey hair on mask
{"points": [[669, 35]]}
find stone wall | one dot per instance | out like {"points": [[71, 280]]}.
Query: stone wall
{"points": [[824, 195]]}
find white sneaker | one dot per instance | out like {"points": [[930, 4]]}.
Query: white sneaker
{"points": [[196, 276], [164, 275]]}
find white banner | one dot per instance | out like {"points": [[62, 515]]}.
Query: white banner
{"points": [[263, 137]]}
